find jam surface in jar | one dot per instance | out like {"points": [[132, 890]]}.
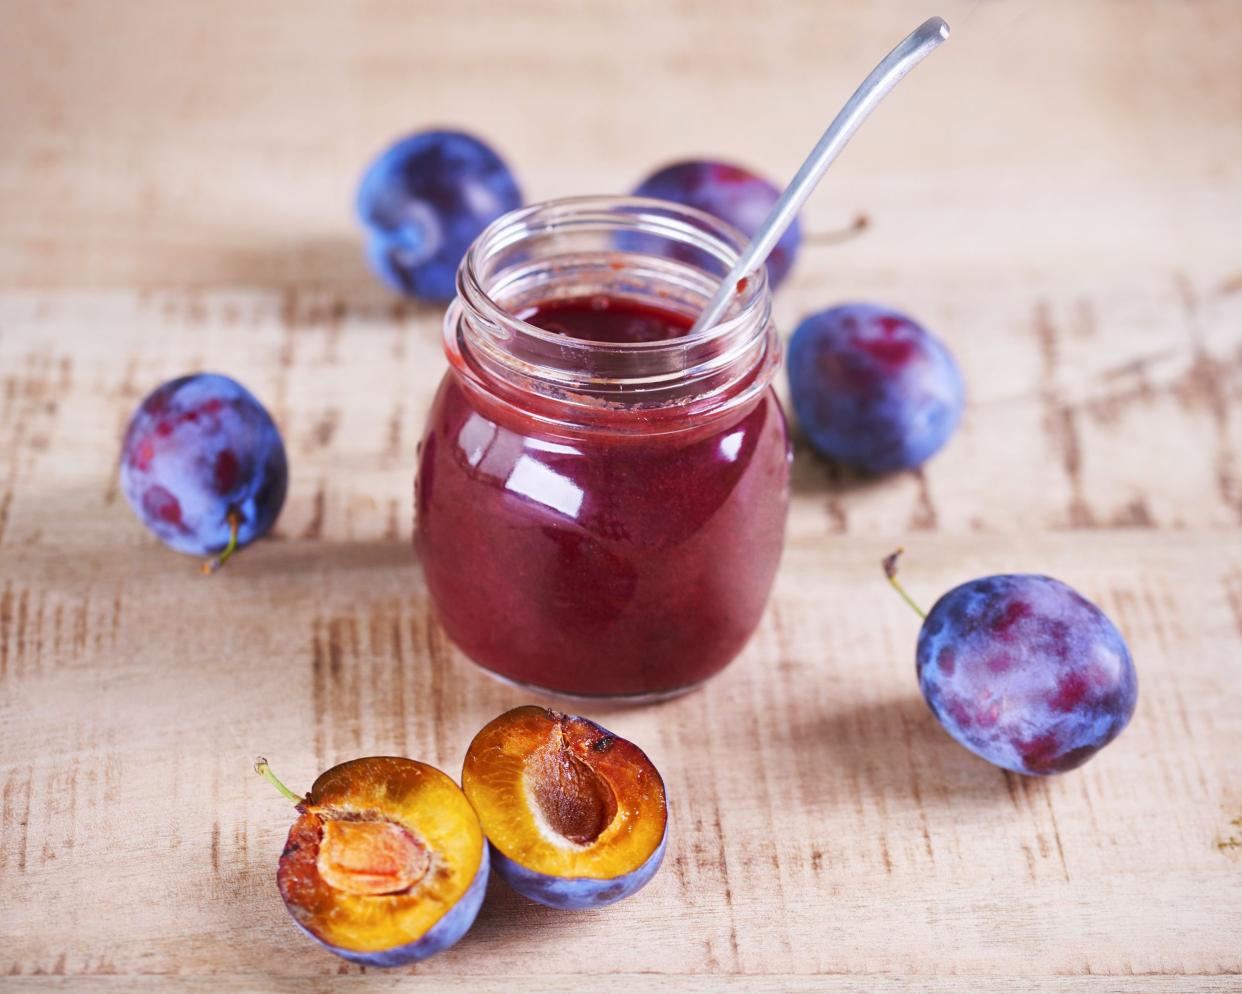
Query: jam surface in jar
{"points": [[598, 563], [607, 319]]}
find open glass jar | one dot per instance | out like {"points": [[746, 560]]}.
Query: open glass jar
{"points": [[601, 497]]}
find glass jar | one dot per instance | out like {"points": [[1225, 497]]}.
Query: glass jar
{"points": [[603, 518]]}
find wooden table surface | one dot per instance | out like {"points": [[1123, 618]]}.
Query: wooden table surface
{"points": [[1058, 193]]}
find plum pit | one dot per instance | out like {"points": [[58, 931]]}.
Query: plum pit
{"points": [[370, 857], [575, 801]]}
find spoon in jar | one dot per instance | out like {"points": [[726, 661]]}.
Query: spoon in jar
{"points": [[909, 53]]}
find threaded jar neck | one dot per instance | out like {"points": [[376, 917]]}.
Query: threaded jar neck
{"points": [[645, 252]]}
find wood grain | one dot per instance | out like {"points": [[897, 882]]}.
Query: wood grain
{"points": [[641, 983], [174, 189]]}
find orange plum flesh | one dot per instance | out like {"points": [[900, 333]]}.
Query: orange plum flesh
{"points": [[386, 863]]}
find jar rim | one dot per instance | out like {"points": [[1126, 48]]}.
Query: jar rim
{"points": [[538, 252], [698, 228]]}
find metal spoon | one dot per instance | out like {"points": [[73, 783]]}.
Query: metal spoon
{"points": [[909, 53]]}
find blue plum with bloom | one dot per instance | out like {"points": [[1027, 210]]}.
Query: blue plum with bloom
{"points": [[873, 389], [423, 201], [201, 459], [733, 194], [1026, 672]]}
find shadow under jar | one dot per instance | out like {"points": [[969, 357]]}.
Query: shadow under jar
{"points": [[601, 497]]}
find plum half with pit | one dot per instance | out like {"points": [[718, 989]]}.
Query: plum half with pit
{"points": [[873, 389], [386, 863], [203, 466], [576, 816], [1024, 671]]}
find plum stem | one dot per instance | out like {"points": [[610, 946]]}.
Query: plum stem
{"points": [[265, 771], [855, 228], [890, 571], [212, 565]]}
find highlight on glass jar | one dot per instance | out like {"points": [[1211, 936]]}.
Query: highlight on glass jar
{"points": [[386, 863], [601, 496], [576, 817]]}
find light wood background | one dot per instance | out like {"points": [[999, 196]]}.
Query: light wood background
{"points": [[1058, 193]]}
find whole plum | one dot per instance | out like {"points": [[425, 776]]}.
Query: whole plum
{"points": [[872, 388], [423, 201], [733, 194], [1024, 671], [203, 465]]}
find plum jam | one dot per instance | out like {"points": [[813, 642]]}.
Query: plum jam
{"points": [[601, 495], [603, 319]]}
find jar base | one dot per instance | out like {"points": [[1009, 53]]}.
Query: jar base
{"points": [[611, 700]]}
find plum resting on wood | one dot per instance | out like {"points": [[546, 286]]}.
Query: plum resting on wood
{"points": [[1024, 671], [872, 388], [203, 465], [423, 201], [733, 194]]}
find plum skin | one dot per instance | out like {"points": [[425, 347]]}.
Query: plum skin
{"points": [[198, 449], [729, 192], [1024, 671], [577, 893], [423, 201], [873, 389], [443, 934]]}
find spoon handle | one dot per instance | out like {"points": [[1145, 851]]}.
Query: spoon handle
{"points": [[909, 53]]}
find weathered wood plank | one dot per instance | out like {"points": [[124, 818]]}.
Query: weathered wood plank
{"points": [[219, 145], [818, 810], [1064, 213], [1114, 406], [640, 983]]}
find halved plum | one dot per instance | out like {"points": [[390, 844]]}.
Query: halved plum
{"points": [[576, 817], [386, 863]]}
